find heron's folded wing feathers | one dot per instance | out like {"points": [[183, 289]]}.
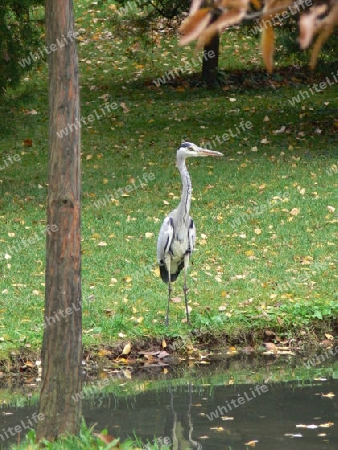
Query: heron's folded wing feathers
{"points": [[165, 238], [191, 236]]}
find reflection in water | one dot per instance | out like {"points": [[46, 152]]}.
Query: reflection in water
{"points": [[289, 416], [213, 414], [179, 425]]}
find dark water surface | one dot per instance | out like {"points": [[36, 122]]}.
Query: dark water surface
{"points": [[181, 415], [214, 412]]}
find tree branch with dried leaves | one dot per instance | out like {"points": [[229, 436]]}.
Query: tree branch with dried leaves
{"points": [[210, 17]]}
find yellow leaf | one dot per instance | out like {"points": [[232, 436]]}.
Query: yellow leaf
{"points": [[127, 349], [329, 395], [295, 211], [103, 352], [251, 443], [326, 425]]}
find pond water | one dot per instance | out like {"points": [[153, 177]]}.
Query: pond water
{"points": [[222, 406]]}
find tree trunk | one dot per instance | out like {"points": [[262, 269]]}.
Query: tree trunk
{"points": [[62, 339], [210, 64]]}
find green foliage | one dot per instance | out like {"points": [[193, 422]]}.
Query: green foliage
{"points": [[19, 35], [87, 440], [157, 8]]}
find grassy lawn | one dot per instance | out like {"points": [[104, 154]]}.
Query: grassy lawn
{"points": [[266, 214]]}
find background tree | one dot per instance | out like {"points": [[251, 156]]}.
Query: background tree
{"points": [[154, 10], [19, 35], [62, 340]]}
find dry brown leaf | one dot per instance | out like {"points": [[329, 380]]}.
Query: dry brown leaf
{"points": [[231, 17], [193, 26], [124, 107], [126, 349], [329, 336], [107, 439], [271, 346], [27, 142]]}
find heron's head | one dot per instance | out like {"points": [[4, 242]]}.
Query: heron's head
{"points": [[188, 149]]}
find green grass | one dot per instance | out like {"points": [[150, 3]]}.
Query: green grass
{"points": [[86, 440], [265, 218]]}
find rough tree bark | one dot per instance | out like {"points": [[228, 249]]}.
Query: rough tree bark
{"points": [[210, 65], [62, 340]]}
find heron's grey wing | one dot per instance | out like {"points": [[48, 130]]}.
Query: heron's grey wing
{"points": [[191, 236], [165, 238]]}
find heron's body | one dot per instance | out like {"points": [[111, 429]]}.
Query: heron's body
{"points": [[177, 237]]}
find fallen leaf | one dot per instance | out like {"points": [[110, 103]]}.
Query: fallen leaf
{"points": [[27, 142], [271, 346], [295, 211], [124, 107], [107, 439], [329, 336], [326, 425], [127, 349], [329, 395]]}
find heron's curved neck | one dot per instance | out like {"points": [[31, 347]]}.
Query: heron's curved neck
{"points": [[184, 206]]}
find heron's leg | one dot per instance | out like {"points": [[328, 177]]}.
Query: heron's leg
{"points": [[169, 293], [185, 289]]}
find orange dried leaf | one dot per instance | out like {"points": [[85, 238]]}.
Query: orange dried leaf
{"points": [[193, 26], [268, 46]]}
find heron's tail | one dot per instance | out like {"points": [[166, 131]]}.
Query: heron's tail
{"points": [[165, 274]]}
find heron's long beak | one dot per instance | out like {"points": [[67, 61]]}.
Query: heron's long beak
{"points": [[206, 152]]}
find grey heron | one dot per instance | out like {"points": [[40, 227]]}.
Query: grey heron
{"points": [[177, 235]]}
